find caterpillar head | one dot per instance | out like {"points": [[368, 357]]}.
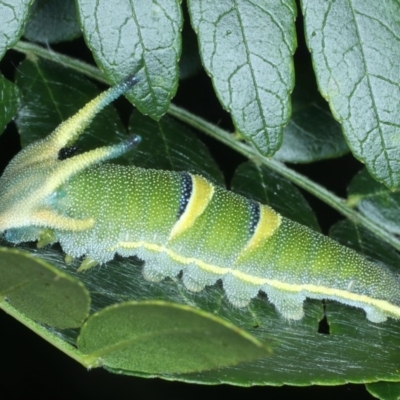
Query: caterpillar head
{"points": [[36, 172]]}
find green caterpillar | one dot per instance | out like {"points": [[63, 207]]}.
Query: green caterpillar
{"points": [[179, 221]]}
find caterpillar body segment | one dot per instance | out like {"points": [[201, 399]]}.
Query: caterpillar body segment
{"points": [[246, 244], [177, 221]]}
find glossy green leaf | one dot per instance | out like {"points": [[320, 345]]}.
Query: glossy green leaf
{"points": [[301, 355], [173, 147], [312, 133], [350, 352], [9, 99], [13, 16], [375, 201], [267, 187], [41, 291], [247, 48], [51, 94], [355, 47], [142, 336], [52, 21], [141, 37], [384, 390]]}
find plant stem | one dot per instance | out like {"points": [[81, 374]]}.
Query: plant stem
{"points": [[228, 139], [31, 49]]}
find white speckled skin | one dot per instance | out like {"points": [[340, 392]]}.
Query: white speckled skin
{"points": [[178, 221]]}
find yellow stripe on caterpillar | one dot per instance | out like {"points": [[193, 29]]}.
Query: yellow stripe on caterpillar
{"points": [[377, 310], [202, 194], [267, 225]]}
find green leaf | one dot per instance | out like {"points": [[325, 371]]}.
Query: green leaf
{"points": [[141, 37], [9, 99], [247, 48], [52, 21], [142, 336], [267, 187], [375, 201], [384, 390], [299, 351], [173, 147], [355, 47], [354, 350], [40, 291], [51, 94], [13, 15], [312, 133]]}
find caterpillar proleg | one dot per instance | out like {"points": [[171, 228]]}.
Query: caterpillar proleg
{"points": [[178, 221]]}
